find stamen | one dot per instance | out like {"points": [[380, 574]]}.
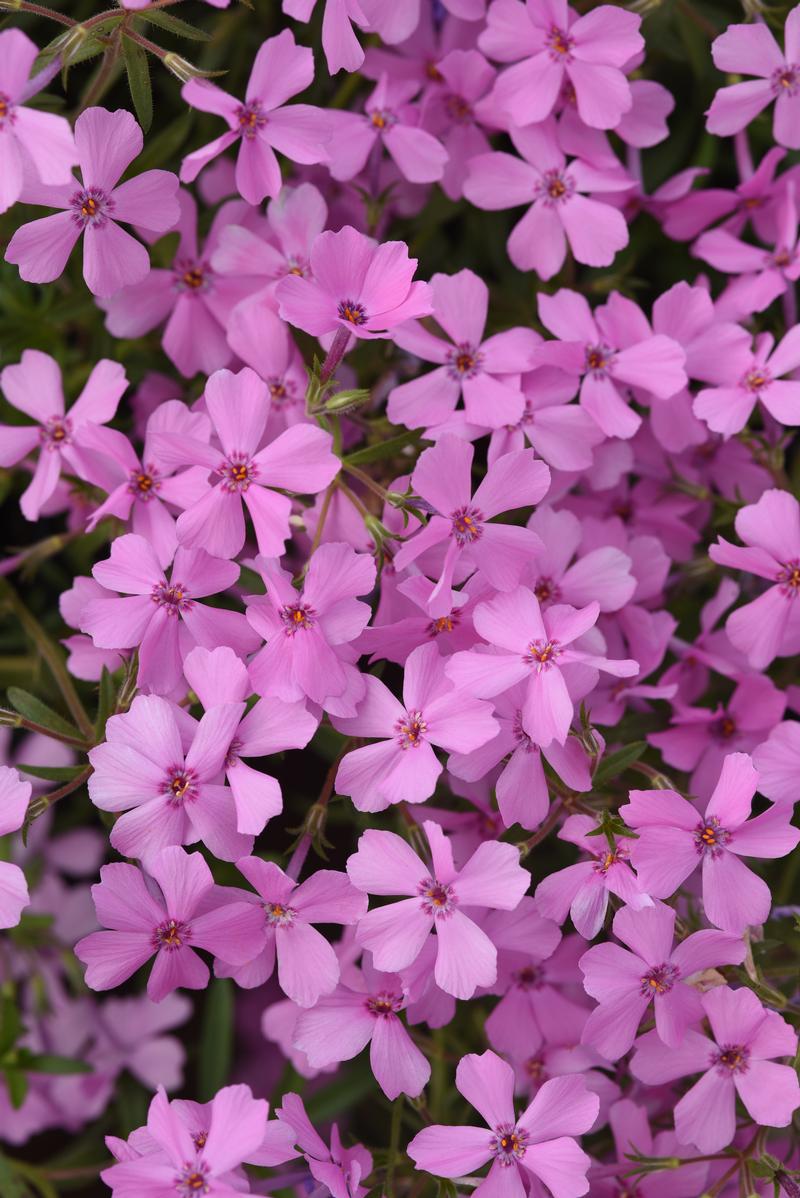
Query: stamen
{"points": [[659, 980], [467, 525], [437, 900], [710, 837], [509, 1144], [410, 729], [352, 312]]}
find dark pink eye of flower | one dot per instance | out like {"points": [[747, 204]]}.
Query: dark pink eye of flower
{"points": [[789, 576], [464, 361], [444, 624], [559, 44], [555, 187], [143, 484], [282, 392], [170, 934], [91, 207], [180, 785], [732, 1058], [193, 1182], [528, 978], [410, 730], [200, 1139], [171, 595], [598, 359], [297, 616], [297, 266], [609, 860], [251, 118], [190, 276], [523, 739], [542, 654], [756, 380], [6, 109], [535, 1069], [382, 118], [786, 80], [508, 1144], [467, 525], [384, 1004], [458, 109], [710, 837], [723, 728], [279, 915], [659, 980], [237, 473], [437, 900], [55, 432], [546, 591], [352, 312]]}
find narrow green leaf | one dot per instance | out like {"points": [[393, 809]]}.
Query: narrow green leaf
{"points": [[10, 1026], [383, 449], [616, 763], [138, 71], [50, 1062], [175, 25], [34, 709], [106, 702], [51, 773], [11, 1185], [17, 1086], [216, 1039]]}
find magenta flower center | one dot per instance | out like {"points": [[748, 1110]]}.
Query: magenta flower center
{"points": [[172, 596], [660, 980], [191, 276], [458, 109], [384, 1004], [193, 1182], [789, 577], [559, 44], [467, 525], [6, 110], [282, 391], [598, 359], [410, 730], [143, 484], [170, 934], [528, 978], [179, 786], [756, 380], [523, 740], [542, 654], [508, 1144], [710, 837], [444, 623], [547, 591], [464, 361], [55, 432], [251, 118], [732, 1058], [724, 727], [555, 187], [438, 900], [297, 266], [279, 915], [609, 860], [297, 617], [352, 312], [786, 80], [91, 206], [237, 473], [382, 118]]}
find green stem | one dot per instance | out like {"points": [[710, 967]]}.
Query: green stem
{"points": [[394, 1145], [105, 73], [364, 478], [13, 720]]}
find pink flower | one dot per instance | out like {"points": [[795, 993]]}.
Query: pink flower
{"points": [[470, 366], [583, 890], [528, 644], [366, 1011], [396, 934], [563, 434], [270, 726], [672, 842], [300, 459], [14, 797], [769, 627], [403, 765], [339, 1169], [739, 1061], [613, 350], [264, 122], [624, 983], [179, 1161], [778, 763], [190, 913], [33, 386], [161, 768], [29, 138], [603, 574], [455, 113], [309, 631], [389, 120], [160, 616], [106, 143], [263, 341], [342, 48], [752, 376], [355, 285], [307, 964], [560, 212], [462, 522], [537, 1147], [633, 1136], [397, 639], [752, 50], [558, 47]]}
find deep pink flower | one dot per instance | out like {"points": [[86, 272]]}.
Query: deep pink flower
{"points": [[536, 1147], [33, 386], [739, 1061], [752, 376], [526, 643], [752, 50], [602, 574], [625, 982], [14, 797], [299, 459], [264, 122], [161, 768], [355, 285], [396, 934], [455, 113], [160, 616], [633, 1136], [778, 763], [342, 47], [673, 840], [562, 433], [397, 639], [190, 913], [769, 627], [390, 120], [339, 1169], [561, 213], [462, 522], [402, 765], [106, 144], [29, 138]]}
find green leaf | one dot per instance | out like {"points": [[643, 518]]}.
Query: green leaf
{"points": [[34, 709], [106, 702], [175, 25], [10, 1026], [138, 71], [50, 1062], [17, 1084], [616, 763], [383, 449], [11, 1186], [216, 1039], [51, 773]]}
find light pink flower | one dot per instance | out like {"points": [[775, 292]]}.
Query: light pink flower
{"points": [[106, 143], [388, 120], [342, 48], [778, 763], [752, 376], [752, 50], [14, 797], [339, 1169]]}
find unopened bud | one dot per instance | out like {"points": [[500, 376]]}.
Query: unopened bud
{"points": [[71, 42], [377, 531], [181, 68], [346, 401]]}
